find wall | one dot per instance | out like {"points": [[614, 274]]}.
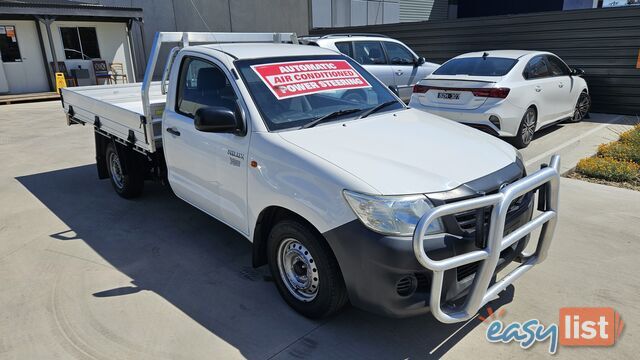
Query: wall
{"points": [[340, 13], [112, 43], [603, 42], [422, 10]]}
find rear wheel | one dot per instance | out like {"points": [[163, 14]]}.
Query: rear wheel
{"points": [[128, 184], [526, 130], [305, 271], [582, 107]]}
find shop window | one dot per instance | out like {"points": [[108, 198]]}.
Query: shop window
{"points": [[80, 43], [9, 44]]}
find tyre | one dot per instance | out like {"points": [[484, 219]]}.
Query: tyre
{"points": [[582, 108], [526, 130], [305, 270], [128, 186]]}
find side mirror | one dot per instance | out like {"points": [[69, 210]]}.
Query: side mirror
{"points": [[577, 72], [421, 60], [217, 119]]}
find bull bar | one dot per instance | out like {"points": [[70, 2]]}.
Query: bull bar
{"points": [[480, 293]]}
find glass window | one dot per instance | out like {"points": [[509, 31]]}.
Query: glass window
{"points": [[203, 84], [477, 66], [80, 43], [398, 54], [537, 68], [369, 53], [9, 44], [557, 66], [297, 111], [345, 48]]}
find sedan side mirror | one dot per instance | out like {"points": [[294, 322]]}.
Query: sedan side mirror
{"points": [[218, 119], [419, 61], [577, 72]]}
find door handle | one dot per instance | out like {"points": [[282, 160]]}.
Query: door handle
{"points": [[561, 85], [173, 131], [538, 89], [399, 72]]}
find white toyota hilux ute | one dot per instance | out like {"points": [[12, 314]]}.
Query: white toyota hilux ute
{"points": [[392, 209]]}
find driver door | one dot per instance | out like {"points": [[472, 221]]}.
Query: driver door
{"points": [[403, 65], [208, 170]]}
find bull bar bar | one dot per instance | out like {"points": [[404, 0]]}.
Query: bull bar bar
{"points": [[480, 292]]}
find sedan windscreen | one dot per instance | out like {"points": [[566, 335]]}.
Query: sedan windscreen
{"points": [[477, 66]]}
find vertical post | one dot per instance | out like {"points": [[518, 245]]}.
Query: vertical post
{"points": [[132, 51], [50, 75], [47, 21]]}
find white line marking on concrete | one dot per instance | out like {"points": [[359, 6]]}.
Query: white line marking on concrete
{"points": [[573, 141], [450, 336]]}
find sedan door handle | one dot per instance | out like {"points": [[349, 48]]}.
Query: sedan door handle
{"points": [[173, 131], [399, 72], [561, 85], [538, 89]]}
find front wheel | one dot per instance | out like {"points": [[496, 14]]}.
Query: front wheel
{"points": [[305, 270], [526, 130], [582, 107]]}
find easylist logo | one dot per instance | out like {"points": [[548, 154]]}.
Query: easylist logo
{"points": [[576, 327], [589, 326]]}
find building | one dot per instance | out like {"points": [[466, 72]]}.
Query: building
{"points": [[339, 13], [34, 33], [42, 37]]}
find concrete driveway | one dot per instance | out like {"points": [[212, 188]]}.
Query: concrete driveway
{"points": [[87, 275]]}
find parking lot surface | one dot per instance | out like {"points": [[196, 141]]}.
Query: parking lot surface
{"points": [[88, 275]]}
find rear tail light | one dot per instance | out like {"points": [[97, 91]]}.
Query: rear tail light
{"points": [[491, 92], [499, 93], [420, 89]]}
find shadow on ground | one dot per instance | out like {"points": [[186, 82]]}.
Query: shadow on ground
{"points": [[203, 268]]}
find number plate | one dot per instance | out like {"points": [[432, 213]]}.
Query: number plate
{"points": [[449, 96]]}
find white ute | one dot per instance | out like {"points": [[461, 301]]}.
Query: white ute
{"points": [[389, 208]]}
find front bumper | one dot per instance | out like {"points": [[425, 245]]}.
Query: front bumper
{"points": [[387, 275]]}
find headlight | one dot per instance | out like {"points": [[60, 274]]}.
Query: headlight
{"points": [[392, 215]]}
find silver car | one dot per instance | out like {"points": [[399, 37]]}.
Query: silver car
{"points": [[391, 61]]}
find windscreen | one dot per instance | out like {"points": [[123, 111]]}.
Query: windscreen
{"points": [[477, 66], [291, 92]]}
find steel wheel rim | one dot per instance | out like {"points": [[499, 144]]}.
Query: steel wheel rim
{"points": [[528, 126], [116, 170], [298, 270], [582, 107]]}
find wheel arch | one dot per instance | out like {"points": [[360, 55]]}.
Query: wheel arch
{"points": [[265, 221]]}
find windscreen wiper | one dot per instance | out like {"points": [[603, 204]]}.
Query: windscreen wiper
{"points": [[329, 116], [377, 108]]}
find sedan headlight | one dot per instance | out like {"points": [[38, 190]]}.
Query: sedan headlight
{"points": [[392, 215]]}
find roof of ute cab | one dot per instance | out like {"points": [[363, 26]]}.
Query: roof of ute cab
{"points": [[242, 51]]}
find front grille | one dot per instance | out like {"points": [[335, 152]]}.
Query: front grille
{"points": [[467, 220], [467, 270]]}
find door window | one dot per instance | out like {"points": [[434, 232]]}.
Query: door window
{"points": [[80, 43], [345, 48], [203, 84], [9, 44], [557, 66], [537, 68], [369, 53], [398, 54]]}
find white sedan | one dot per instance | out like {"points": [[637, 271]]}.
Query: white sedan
{"points": [[508, 93]]}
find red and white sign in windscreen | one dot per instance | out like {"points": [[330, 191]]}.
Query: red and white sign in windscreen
{"points": [[289, 79]]}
